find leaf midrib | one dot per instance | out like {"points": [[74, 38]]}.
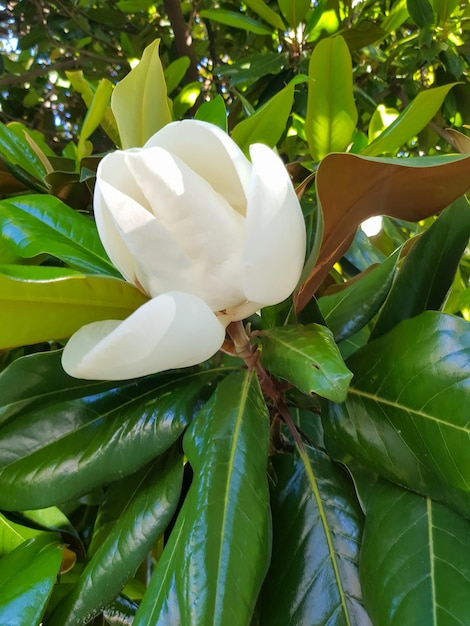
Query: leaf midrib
{"points": [[407, 409]]}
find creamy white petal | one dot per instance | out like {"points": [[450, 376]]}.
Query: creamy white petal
{"points": [[111, 238], [138, 244], [239, 312], [170, 331], [210, 152], [204, 226], [275, 231]]}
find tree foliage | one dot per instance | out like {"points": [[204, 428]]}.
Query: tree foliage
{"points": [[323, 478]]}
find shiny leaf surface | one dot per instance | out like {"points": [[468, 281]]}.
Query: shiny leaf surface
{"points": [[353, 306], [13, 535], [294, 10], [41, 224], [408, 124], [18, 151], [138, 509], [38, 380], [415, 560], [27, 576], [51, 455], [268, 123], [331, 113], [406, 415], [50, 303], [236, 20], [313, 578], [408, 189], [307, 357], [428, 270], [222, 539]]}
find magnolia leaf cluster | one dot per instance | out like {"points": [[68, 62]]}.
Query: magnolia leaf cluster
{"points": [[220, 401]]}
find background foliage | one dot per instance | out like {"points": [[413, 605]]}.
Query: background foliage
{"points": [[196, 495]]}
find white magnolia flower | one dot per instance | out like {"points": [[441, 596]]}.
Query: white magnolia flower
{"points": [[207, 235]]}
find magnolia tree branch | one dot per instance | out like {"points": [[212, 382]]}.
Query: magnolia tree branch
{"points": [[183, 40], [40, 71], [273, 391]]}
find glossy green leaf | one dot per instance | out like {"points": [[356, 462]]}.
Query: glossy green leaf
{"points": [[235, 20], [421, 12], [268, 123], [39, 224], [266, 13], [138, 509], [444, 8], [13, 535], [294, 10], [307, 357], [39, 380], [415, 560], [54, 454], [44, 303], [214, 112], [186, 99], [95, 114], [222, 538], [139, 102], [120, 612], [406, 415], [174, 73], [397, 15], [348, 310], [428, 270], [410, 122], [252, 67], [313, 578], [27, 577], [18, 152], [331, 112]]}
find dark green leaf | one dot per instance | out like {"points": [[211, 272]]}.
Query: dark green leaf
{"points": [[120, 612], [139, 508], [428, 270], [406, 415], [37, 224], [420, 12], [221, 542], [415, 560], [313, 578], [39, 380], [307, 357], [27, 577], [252, 67], [55, 454], [350, 309]]}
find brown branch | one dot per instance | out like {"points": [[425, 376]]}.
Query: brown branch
{"points": [[183, 40], [40, 71]]}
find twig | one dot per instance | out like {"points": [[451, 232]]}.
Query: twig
{"points": [[183, 40]]}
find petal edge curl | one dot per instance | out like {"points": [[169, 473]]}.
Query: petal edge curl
{"points": [[275, 231], [170, 331]]}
